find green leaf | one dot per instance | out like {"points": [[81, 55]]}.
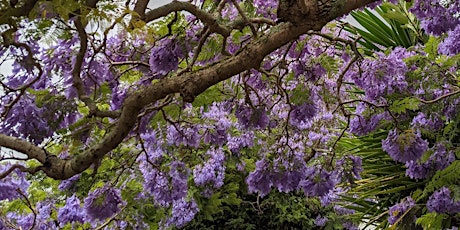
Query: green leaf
{"points": [[432, 221], [408, 103], [431, 47]]}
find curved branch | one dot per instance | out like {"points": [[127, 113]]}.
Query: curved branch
{"points": [[20, 167], [175, 6]]}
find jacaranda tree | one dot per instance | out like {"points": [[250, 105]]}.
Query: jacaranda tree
{"points": [[229, 114]]}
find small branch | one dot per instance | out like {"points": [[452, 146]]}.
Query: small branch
{"points": [[175, 6], [30, 58], [439, 98], [105, 224], [245, 19], [199, 47], [30, 207], [140, 7], [20, 167], [76, 71], [130, 63]]}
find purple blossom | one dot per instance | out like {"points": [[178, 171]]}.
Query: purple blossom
{"points": [[301, 113], [349, 168], [183, 211], [26, 120], [24, 221], [332, 196], [318, 182], [362, 124], [383, 75], [69, 183], [187, 136], [165, 57], [179, 175], [437, 16], [260, 180], [212, 173], [439, 160], [340, 210], [71, 212], [405, 146], [288, 179], [397, 211], [441, 202], [103, 203], [321, 221], [350, 226], [10, 184], [252, 117], [266, 8], [451, 44], [216, 136], [433, 122], [236, 143], [157, 184], [416, 170], [44, 222]]}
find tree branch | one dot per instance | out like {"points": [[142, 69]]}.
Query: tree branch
{"points": [[175, 6], [20, 167]]}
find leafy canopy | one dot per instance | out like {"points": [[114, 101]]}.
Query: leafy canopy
{"points": [[229, 114]]}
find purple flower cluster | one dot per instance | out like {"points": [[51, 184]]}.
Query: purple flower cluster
{"points": [[360, 125], [451, 44], [349, 168], [156, 183], [71, 212], [236, 143], [187, 136], [212, 173], [404, 147], [433, 122], [439, 160], [26, 120], [22, 221], [69, 183], [217, 134], [179, 174], [318, 181], [301, 113], [287, 180], [437, 16], [363, 123], [397, 211], [383, 75], [252, 117], [266, 8], [260, 180], [441, 202], [11, 183], [103, 203], [165, 56], [183, 211], [321, 221]]}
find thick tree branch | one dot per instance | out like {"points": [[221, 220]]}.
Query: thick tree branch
{"points": [[140, 7], [31, 150]]}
